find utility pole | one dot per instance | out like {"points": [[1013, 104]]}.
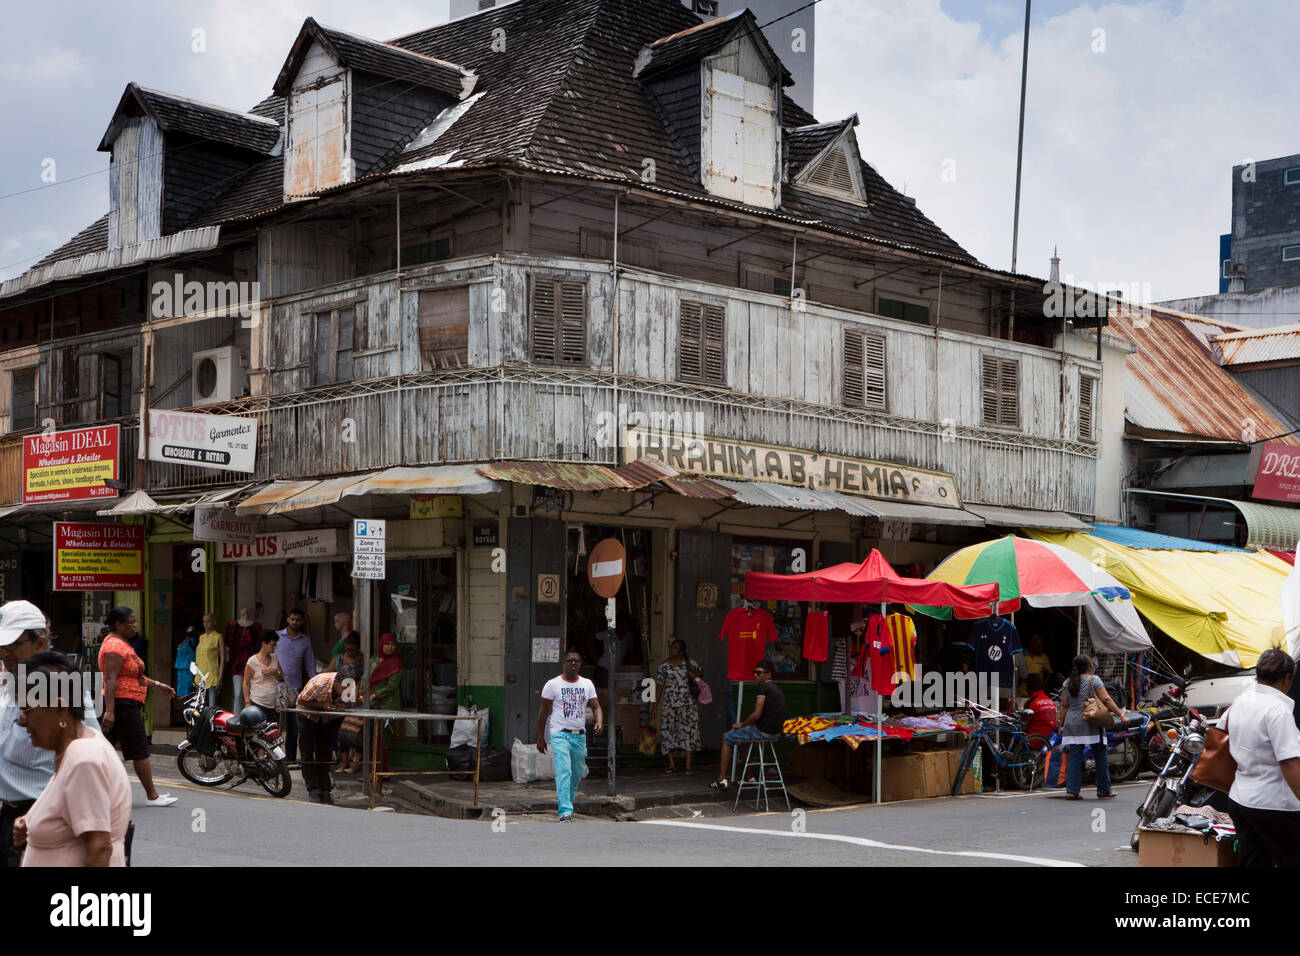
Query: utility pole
{"points": [[1020, 142]]}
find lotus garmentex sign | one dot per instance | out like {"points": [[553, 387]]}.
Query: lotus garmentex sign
{"points": [[210, 441]]}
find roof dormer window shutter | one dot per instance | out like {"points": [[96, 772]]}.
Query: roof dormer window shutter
{"points": [[832, 173]]}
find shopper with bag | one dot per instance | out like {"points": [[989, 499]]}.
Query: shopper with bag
{"points": [[676, 706], [1084, 714], [1264, 742]]}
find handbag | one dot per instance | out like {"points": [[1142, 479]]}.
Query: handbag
{"points": [[286, 698], [1095, 712], [646, 745], [692, 684], [705, 695], [1215, 768]]}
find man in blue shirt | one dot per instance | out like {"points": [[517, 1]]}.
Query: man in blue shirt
{"points": [[298, 661], [24, 768]]}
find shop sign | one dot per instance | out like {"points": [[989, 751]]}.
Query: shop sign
{"points": [[546, 650], [548, 588], [222, 524], [786, 466], [211, 441], [550, 499], [282, 545], [436, 506], [486, 536], [72, 465], [98, 557], [1278, 477], [11, 577], [369, 548]]}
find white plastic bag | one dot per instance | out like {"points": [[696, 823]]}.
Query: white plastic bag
{"points": [[462, 731], [529, 766]]}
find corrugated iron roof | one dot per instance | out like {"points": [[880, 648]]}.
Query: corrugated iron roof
{"points": [[435, 480], [1277, 344], [692, 487], [1172, 384], [578, 476], [277, 492]]}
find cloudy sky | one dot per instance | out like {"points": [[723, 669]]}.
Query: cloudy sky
{"points": [[1137, 111]]}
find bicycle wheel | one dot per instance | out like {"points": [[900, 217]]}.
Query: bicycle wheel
{"points": [[1023, 765], [1156, 750], [963, 766]]}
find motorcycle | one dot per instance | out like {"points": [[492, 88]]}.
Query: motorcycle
{"points": [[1173, 785], [221, 746]]}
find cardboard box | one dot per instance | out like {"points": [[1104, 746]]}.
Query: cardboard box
{"points": [[950, 773], [819, 761], [1163, 848], [912, 777], [628, 719]]}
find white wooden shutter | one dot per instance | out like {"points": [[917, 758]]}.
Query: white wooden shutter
{"points": [[725, 174], [1000, 386], [1086, 384], [690, 345], [715, 335], [853, 372], [545, 333], [573, 322], [864, 370], [873, 371]]}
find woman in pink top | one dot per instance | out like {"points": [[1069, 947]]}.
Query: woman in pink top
{"points": [[81, 817]]}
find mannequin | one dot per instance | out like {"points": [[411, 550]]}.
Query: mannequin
{"points": [[243, 639]]}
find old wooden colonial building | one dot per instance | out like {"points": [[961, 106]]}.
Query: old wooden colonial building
{"points": [[560, 271]]}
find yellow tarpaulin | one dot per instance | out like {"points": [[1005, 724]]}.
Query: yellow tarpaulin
{"points": [[1224, 605]]}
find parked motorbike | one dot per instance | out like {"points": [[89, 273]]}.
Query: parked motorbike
{"points": [[221, 746], [1173, 785]]}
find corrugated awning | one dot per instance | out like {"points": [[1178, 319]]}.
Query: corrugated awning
{"points": [[280, 497], [766, 494], [276, 493], [436, 480], [139, 502], [690, 487], [1267, 526], [1027, 518], [578, 476], [53, 507]]}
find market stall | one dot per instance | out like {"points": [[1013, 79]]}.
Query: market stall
{"points": [[871, 582]]}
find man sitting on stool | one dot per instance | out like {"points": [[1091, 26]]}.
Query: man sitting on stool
{"points": [[763, 724]]}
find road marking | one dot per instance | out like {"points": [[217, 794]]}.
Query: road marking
{"points": [[864, 842]]}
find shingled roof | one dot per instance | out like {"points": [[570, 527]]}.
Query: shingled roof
{"points": [[686, 47], [562, 98], [374, 56], [179, 114]]}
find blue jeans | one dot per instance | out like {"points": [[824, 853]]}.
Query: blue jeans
{"points": [[570, 754], [1074, 770]]}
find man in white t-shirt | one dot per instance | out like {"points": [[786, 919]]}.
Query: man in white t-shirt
{"points": [[562, 720]]}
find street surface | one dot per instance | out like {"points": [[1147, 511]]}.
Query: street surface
{"points": [[247, 828]]}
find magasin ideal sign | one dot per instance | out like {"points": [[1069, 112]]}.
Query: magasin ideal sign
{"points": [[98, 557], [70, 465], [1278, 478]]}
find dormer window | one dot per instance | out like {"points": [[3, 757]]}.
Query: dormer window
{"points": [[830, 164], [318, 149]]}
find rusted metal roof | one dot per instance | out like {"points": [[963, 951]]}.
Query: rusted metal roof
{"points": [[1173, 385], [1278, 344], [574, 476], [435, 480], [277, 492], [691, 487]]}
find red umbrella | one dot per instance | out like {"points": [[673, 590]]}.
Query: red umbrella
{"points": [[872, 582]]}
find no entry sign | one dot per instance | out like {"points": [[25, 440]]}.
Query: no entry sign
{"points": [[606, 566]]}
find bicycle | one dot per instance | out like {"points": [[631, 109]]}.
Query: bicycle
{"points": [[1013, 751]]}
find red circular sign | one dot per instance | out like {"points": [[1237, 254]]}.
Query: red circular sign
{"points": [[606, 566]]}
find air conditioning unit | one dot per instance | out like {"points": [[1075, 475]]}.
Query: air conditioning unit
{"points": [[219, 375]]}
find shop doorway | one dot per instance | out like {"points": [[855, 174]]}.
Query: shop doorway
{"points": [[418, 604]]}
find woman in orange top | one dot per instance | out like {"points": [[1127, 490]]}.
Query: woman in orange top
{"points": [[125, 684]]}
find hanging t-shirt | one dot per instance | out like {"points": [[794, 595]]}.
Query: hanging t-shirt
{"points": [[747, 634], [902, 640], [996, 644], [876, 660], [816, 636], [568, 703]]}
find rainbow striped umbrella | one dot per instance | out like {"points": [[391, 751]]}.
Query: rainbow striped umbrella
{"points": [[1045, 575]]}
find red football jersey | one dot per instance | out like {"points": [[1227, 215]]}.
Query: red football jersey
{"points": [[816, 636], [747, 634]]}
